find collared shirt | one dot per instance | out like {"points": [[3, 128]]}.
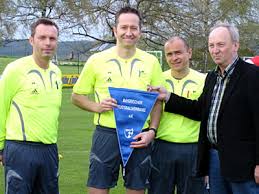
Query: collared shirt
{"points": [[174, 127], [217, 96], [31, 102], [106, 69]]}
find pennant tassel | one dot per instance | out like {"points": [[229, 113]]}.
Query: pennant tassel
{"points": [[123, 171]]}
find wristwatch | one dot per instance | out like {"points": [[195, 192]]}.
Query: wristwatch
{"points": [[153, 129]]}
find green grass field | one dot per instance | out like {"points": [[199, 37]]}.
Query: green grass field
{"points": [[4, 61], [75, 134], [65, 69]]}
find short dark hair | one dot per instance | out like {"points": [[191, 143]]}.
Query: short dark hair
{"points": [[128, 9], [44, 21], [172, 39]]}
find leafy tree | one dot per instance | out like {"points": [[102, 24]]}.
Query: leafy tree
{"points": [[7, 27], [94, 19], [191, 19]]}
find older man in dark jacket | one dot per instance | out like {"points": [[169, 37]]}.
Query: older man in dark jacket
{"points": [[229, 112]]}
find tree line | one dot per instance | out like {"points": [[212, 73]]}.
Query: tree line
{"points": [[94, 19]]}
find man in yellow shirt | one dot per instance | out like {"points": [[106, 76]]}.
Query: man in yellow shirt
{"points": [[122, 66], [175, 147], [31, 91]]}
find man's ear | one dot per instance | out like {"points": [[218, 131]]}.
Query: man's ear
{"points": [[31, 40], [236, 46], [190, 53], [114, 29]]}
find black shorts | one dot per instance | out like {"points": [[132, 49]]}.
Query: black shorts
{"points": [[105, 162], [31, 168]]}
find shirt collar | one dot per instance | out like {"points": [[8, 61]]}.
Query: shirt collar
{"points": [[228, 69]]}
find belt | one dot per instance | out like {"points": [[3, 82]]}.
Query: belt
{"points": [[214, 146]]}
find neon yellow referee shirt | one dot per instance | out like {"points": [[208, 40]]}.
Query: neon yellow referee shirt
{"points": [[177, 128], [107, 69], [30, 102]]}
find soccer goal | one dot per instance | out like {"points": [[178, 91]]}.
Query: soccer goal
{"points": [[158, 55]]}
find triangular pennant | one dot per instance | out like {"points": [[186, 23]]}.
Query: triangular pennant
{"points": [[131, 114]]}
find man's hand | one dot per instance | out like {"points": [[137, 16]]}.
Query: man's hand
{"points": [[144, 139], [85, 103], [206, 182], [164, 95], [256, 174], [107, 105], [1, 159]]}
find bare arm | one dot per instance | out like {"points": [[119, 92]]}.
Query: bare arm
{"points": [[256, 174], [148, 136], [83, 102], [155, 115], [1, 158]]}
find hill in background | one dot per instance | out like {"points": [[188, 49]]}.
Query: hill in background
{"points": [[67, 50]]}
